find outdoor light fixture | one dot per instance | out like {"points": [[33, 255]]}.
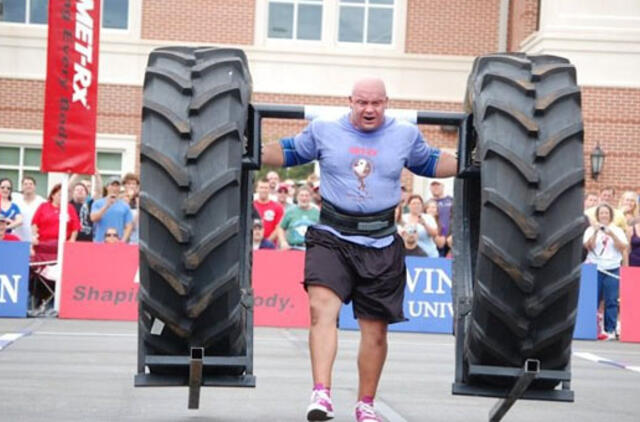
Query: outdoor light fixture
{"points": [[597, 161]]}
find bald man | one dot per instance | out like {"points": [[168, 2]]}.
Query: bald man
{"points": [[354, 253]]}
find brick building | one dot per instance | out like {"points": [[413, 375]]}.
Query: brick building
{"points": [[311, 51]]}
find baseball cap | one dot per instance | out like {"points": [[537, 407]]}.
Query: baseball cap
{"points": [[257, 222], [283, 187]]}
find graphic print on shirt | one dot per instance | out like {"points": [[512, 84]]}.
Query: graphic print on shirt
{"points": [[362, 168], [269, 215]]}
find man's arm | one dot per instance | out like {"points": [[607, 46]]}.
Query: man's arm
{"points": [[272, 154], [127, 232], [447, 165]]}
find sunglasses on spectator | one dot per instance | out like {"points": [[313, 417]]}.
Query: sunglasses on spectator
{"points": [[5, 187], [111, 235]]}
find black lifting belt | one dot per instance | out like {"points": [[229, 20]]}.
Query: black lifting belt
{"points": [[377, 225]]}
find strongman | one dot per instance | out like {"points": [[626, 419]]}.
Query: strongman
{"points": [[354, 253]]}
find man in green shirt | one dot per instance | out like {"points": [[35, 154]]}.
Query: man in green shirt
{"points": [[296, 220]]}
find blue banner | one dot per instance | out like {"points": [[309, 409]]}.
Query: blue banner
{"points": [[428, 303], [14, 279], [586, 322]]}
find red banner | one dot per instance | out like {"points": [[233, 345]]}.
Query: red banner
{"points": [[279, 298], [99, 281], [630, 304], [71, 92]]}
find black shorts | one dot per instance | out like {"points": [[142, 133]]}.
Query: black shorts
{"points": [[373, 278]]}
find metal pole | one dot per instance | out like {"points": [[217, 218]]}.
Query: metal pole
{"points": [[528, 373], [62, 236]]}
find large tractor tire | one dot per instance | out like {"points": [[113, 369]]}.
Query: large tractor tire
{"points": [[192, 242], [527, 228]]}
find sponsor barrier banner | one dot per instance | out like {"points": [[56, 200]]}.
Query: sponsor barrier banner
{"points": [[586, 320], [279, 298], [100, 281], [428, 302], [71, 90], [14, 279], [630, 304]]}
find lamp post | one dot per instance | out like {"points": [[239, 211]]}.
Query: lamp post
{"points": [[597, 161]]}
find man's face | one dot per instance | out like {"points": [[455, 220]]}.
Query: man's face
{"points": [[111, 236], [263, 191], [606, 196], [283, 195], [436, 190], [28, 186], [258, 233], [410, 237], [273, 179], [114, 189], [367, 108], [590, 201], [79, 193], [131, 186], [304, 199]]}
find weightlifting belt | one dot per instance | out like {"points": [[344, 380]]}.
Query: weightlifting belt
{"points": [[376, 225]]}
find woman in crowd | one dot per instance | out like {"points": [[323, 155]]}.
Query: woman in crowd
{"points": [[427, 226], [45, 225], [606, 244], [8, 209], [634, 242], [629, 206]]}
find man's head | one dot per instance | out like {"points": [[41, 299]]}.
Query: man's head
{"points": [[304, 197], [262, 188], [80, 193], [368, 102], [111, 235], [606, 195], [113, 186], [590, 200], [410, 236], [274, 180], [436, 188], [258, 230], [283, 193], [28, 185], [131, 182]]}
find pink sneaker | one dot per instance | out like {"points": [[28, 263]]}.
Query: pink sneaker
{"points": [[320, 408], [366, 413]]}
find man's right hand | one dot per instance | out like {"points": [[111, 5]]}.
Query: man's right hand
{"points": [[110, 200]]}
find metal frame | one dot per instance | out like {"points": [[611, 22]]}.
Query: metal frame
{"points": [[462, 293]]}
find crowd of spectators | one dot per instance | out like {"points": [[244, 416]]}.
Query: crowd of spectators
{"points": [[92, 216], [611, 241]]}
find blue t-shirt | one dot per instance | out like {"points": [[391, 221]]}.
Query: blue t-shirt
{"points": [[10, 213], [117, 216], [361, 170]]}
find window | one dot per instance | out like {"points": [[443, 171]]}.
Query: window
{"points": [[115, 13], [366, 21], [295, 19], [109, 164], [17, 162], [25, 11]]}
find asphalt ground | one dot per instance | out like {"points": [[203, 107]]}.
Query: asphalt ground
{"points": [[70, 370]]}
